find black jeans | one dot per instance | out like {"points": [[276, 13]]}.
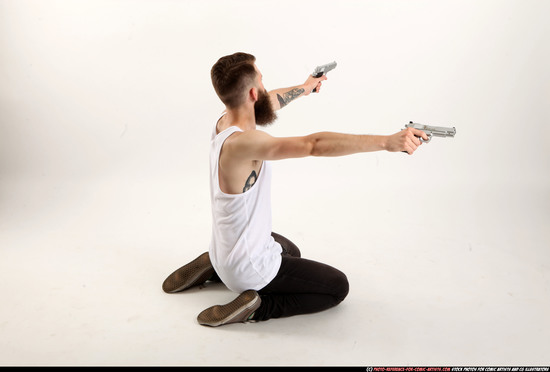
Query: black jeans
{"points": [[301, 286]]}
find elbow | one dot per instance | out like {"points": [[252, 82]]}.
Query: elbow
{"points": [[312, 147], [317, 147]]}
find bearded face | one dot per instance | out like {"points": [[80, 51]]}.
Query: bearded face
{"points": [[263, 110]]}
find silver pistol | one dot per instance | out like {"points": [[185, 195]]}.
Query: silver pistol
{"points": [[432, 131], [322, 70]]}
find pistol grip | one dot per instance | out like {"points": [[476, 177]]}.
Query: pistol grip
{"points": [[317, 76]]}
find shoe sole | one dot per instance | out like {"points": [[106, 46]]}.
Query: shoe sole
{"points": [[194, 273], [237, 311]]}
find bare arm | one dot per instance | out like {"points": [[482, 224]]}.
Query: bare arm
{"points": [[258, 145], [283, 96]]}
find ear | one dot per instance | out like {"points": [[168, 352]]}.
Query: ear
{"points": [[253, 94]]}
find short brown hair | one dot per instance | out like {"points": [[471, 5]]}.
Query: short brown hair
{"points": [[231, 75]]}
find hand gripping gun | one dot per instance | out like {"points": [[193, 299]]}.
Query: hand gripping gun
{"points": [[322, 70]]}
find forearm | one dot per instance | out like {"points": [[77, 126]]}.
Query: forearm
{"points": [[282, 97], [340, 144]]}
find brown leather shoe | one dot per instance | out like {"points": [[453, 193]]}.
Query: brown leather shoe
{"points": [[237, 311], [194, 273]]}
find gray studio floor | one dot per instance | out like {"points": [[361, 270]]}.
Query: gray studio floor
{"points": [[82, 267]]}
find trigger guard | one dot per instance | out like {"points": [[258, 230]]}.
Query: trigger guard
{"points": [[422, 140]]}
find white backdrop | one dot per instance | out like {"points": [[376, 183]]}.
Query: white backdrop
{"points": [[106, 108]]}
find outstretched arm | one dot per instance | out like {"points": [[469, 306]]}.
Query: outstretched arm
{"points": [[282, 97], [258, 145]]}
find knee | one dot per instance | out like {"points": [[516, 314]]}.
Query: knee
{"points": [[341, 286]]}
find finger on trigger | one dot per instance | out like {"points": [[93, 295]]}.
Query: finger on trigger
{"points": [[420, 133], [424, 136]]}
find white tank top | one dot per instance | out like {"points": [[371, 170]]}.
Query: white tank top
{"points": [[242, 250]]}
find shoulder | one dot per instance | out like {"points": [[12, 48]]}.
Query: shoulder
{"points": [[249, 145], [248, 137]]}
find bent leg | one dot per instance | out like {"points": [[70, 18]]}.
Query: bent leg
{"points": [[301, 287]]}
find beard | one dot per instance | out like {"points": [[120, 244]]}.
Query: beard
{"points": [[263, 110]]}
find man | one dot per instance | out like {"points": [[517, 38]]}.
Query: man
{"points": [[264, 267]]}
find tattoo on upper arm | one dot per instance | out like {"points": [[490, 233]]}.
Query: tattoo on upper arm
{"points": [[251, 180], [289, 96]]}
